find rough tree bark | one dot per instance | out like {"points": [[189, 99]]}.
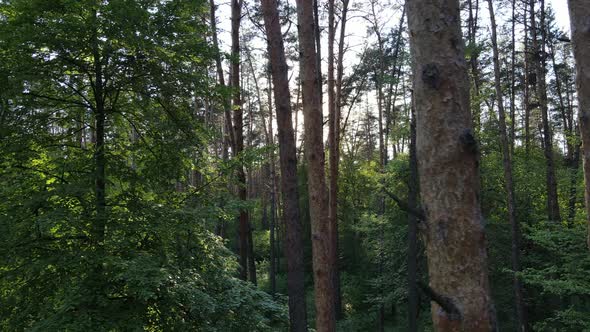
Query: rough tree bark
{"points": [[447, 155], [288, 162], [322, 248], [508, 178], [580, 27]]}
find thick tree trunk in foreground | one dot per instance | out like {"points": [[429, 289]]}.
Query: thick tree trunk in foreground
{"points": [[244, 226], [323, 251], [288, 161], [580, 26], [508, 179], [448, 166]]}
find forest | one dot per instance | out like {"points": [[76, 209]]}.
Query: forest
{"points": [[295, 165]]}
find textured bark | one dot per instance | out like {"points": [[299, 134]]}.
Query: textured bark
{"points": [[580, 27], [508, 179], [288, 162], [448, 166], [322, 248], [539, 54]]}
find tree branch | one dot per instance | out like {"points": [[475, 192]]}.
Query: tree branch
{"points": [[404, 206], [444, 302]]}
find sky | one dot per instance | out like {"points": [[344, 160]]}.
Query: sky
{"points": [[357, 29], [561, 13]]}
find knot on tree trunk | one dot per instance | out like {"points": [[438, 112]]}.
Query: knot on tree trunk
{"points": [[431, 76]]}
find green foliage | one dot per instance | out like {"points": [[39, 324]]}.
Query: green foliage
{"points": [[559, 269], [156, 265]]}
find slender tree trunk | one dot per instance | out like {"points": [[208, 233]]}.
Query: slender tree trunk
{"points": [[249, 181], [379, 75], [229, 133], [251, 261], [273, 252], [244, 227], [539, 54], [567, 128], [96, 276], [333, 143], [226, 127], [447, 156], [413, 229], [580, 26], [573, 195], [335, 154], [474, 62], [99, 152], [318, 48], [288, 161], [323, 250], [526, 91], [508, 179], [513, 79], [273, 192]]}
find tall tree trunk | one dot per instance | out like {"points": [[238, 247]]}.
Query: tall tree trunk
{"points": [[526, 85], [508, 179], [335, 154], [249, 181], [323, 250], [539, 57], [226, 127], [274, 259], [379, 80], [96, 278], [413, 229], [580, 25], [472, 23], [288, 161], [513, 79], [333, 138], [99, 148], [447, 155], [228, 133], [318, 48], [244, 227]]}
